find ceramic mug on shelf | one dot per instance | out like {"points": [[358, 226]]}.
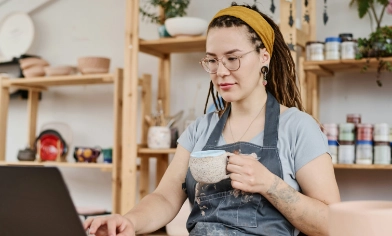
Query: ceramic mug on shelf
{"points": [[159, 137], [209, 166]]}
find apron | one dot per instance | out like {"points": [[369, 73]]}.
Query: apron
{"points": [[218, 209]]}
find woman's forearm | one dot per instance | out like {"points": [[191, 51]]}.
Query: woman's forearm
{"points": [[154, 206], [308, 215]]}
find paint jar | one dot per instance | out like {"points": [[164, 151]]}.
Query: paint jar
{"points": [[346, 132], [365, 132], [382, 153], [346, 152], [333, 150], [353, 118], [381, 132], [332, 48], [331, 131], [364, 152], [349, 49], [158, 137], [317, 51], [345, 36]]}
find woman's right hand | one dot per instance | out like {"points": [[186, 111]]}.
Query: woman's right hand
{"points": [[113, 225]]}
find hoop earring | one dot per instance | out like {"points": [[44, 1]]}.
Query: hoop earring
{"points": [[264, 70]]}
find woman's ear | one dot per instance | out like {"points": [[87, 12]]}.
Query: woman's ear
{"points": [[265, 57]]}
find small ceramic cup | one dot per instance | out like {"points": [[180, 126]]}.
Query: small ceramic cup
{"points": [[159, 137], [209, 166]]}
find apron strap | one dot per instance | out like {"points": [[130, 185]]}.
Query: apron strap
{"points": [[217, 132], [272, 113]]}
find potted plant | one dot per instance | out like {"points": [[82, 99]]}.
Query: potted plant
{"points": [[170, 8], [379, 43]]}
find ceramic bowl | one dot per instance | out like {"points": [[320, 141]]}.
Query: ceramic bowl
{"points": [[32, 61], [59, 70], [86, 154], [185, 26], [34, 71], [93, 65]]}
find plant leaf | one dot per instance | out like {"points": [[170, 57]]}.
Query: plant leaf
{"points": [[363, 7], [383, 2]]}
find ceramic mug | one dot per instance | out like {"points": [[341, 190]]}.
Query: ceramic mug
{"points": [[159, 137], [209, 166]]}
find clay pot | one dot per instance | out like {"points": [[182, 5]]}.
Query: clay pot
{"points": [[360, 218], [34, 71], [59, 70], [32, 61], [93, 65]]}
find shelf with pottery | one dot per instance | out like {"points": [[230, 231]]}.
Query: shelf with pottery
{"points": [[362, 167], [34, 86], [329, 67]]}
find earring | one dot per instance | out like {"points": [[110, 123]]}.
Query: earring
{"points": [[264, 71]]}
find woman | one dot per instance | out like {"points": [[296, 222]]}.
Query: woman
{"points": [[288, 188]]}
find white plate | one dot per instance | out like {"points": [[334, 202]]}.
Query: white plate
{"points": [[16, 34]]}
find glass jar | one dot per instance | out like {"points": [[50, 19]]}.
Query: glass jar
{"points": [[382, 153], [345, 36], [353, 118], [333, 150], [346, 152], [316, 51], [349, 49], [331, 131], [332, 48], [365, 132], [381, 132], [346, 132], [364, 152]]}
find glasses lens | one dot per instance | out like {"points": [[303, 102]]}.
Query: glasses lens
{"points": [[210, 65], [231, 62]]}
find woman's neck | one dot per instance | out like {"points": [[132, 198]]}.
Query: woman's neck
{"points": [[250, 106]]}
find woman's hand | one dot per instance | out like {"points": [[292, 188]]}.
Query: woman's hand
{"points": [[248, 174], [113, 225]]}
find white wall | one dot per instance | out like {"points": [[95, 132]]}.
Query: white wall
{"points": [[73, 28]]}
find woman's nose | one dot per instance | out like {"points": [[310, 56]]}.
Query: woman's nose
{"points": [[222, 70]]}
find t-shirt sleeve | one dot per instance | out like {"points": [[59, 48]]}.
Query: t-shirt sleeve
{"points": [[310, 141], [188, 138]]}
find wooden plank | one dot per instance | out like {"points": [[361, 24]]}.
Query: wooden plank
{"points": [[116, 152], [164, 83], [146, 106], [362, 167], [302, 38], [144, 182], [162, 164], [4, 103], [289, 33], [162, 46], [63, 80], [156, 151], [302, 81], [104, 166], [318, 70], [32, 112], [128, 171]]}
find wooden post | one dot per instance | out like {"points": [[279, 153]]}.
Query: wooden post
{"points": [[144, 176], [32, 111], [128, 172], [164, 83], [289, 32], [117, 145], [4, 102]]}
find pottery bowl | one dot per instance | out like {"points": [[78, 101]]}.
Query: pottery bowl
{"points": [[59, 70], [93, 65], [86, 154], [34, 71], [185, 26]]}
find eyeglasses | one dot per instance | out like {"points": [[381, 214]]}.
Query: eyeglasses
{"points": [[230, 62]]}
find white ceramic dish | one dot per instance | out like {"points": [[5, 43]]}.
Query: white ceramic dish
{"points": [[185, 26]]}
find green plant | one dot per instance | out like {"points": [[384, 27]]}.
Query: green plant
{"points": [[378, 45], [369, 7], [171, 8]]}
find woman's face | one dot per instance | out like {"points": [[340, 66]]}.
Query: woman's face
{"points": [[235, 85]]}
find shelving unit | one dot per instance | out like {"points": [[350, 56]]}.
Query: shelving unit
{"points": [[162, 49], [362, 167], [39, 84]]}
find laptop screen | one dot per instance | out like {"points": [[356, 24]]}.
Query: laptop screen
{"points": [[36, 201]]}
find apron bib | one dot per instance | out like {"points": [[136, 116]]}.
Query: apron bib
{"points": [[218, 209]]}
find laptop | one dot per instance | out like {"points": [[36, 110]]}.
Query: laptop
{"points": [[36, 201]]}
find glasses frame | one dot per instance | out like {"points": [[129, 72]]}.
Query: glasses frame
{"points": [[220, 60]]}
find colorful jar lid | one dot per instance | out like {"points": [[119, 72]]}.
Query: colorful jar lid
{"points": [[333, 143], [333, 39], [364, 142]]}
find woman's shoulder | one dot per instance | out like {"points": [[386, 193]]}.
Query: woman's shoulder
{"points": [[294, 118]]}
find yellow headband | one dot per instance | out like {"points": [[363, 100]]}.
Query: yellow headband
{"points": [[255, 21]]}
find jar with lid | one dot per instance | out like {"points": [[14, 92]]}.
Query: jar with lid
{"points": [[316, 51], [382, 153], [331, 131], [365, 132], [349, 49], [333, 150], [381, 132], [353, 118], [332, 48], [346, 152], [364, 152], [346, 36], [346, 132]]}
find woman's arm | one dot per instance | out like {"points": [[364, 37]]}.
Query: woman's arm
{"points": [[307, 211], [160, 207]]}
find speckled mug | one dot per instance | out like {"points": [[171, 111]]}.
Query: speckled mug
{"points": [[209, 166]]}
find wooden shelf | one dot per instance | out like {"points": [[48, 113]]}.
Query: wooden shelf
{"points": [[59, 164], [160, 47], [43, 82], [156, 151], [328, 68], [362, 167]]}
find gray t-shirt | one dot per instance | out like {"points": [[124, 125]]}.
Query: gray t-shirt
{"points": [[300, 140]]}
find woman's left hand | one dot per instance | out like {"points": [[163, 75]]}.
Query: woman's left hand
{"points": [[248, 174]]}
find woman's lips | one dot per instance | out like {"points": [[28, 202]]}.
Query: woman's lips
{"points": [[226, 86]]}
